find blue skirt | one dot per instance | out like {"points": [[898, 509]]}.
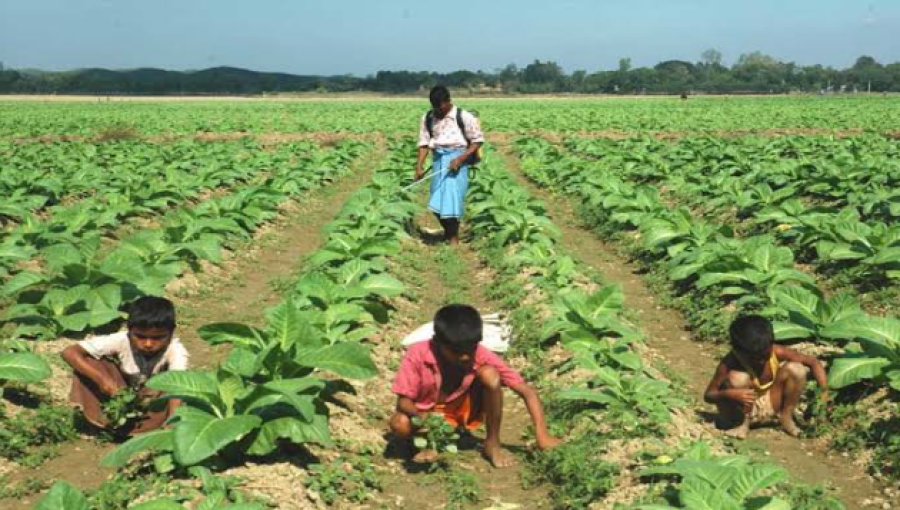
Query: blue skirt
{"points": [[448, 189]]}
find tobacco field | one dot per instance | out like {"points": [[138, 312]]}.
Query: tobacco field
{"points": [[619, 237]]}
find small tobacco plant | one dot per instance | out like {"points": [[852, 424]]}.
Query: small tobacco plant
{"points": [[124, 409], [435, 434]]}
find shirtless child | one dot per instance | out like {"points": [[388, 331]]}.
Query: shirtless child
{"points": [[759, 380], [455, 376]]}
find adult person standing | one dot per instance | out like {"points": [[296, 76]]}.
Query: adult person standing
{"points": [[453, 137]]}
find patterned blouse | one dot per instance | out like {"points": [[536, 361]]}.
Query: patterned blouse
{"points": [[446, 131]]}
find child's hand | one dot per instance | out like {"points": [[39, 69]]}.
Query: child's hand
{"points": [[745, 398], [110, 388]]}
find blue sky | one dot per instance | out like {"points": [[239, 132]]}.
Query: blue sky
{"points": [[363, 36]]}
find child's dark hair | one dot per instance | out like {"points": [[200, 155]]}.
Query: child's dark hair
{"points": [[151, 312], [458, 327], [438, 96], [752, 334]]}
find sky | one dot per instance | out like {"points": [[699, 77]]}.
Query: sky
{"points": [[360, 37]]}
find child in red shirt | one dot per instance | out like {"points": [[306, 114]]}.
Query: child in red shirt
{"points": [[454, 375]]}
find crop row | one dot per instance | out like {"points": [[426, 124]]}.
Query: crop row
{"points": [[605, 396], [72, 191], [713, 273], [84, 279], [272, 388], [29, 119], [835, 202]]}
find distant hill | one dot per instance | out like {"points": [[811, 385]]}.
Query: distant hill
{"points": [[216, 80], [751, 73]]}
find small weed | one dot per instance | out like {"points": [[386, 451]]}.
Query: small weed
{"points": [[453, 273], [575, 471], [462, 488], [124, 409], [122, 489], [434, 433], [27, 487], [282, 284], [31, 436], [342, 479], [804, 497]]}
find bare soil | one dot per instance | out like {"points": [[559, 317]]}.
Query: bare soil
{"points": [[668, 334], [405, 488], [242, 289]]}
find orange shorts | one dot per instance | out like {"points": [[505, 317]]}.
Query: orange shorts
{"points": [[466, 411]]}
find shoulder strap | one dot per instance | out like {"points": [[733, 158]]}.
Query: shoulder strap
{"points": [[461, 124], [773, 361], [429, 122]]}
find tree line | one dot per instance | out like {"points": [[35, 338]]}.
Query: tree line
{"points": [[750, 73]]}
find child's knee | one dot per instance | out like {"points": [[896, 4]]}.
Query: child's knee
{"points": [[796, 370], [739, 380], [401, 425], [489, 377]]}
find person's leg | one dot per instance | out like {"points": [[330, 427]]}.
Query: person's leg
{"points": [[732, 417], [451, 230], [786, 392], [86, 395], [492, 399]]}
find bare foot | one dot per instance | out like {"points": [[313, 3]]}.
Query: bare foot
{"points": [[789, 426], [739, 432], [498, 457], [426, 457]]}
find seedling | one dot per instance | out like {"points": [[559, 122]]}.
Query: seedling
{"points": [[124, 409], [436, 434]]}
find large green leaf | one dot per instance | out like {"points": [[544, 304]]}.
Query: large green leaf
{"points": [[382, 285], [192, 384], [63, 496], [293, 429], [158, 504], [589, 395], [346, 359], [790, 331], [231, 333], [23, 367], [287, 325], [851, 370], [755, 478], [797, 300], [196, 440], [155, 440], [21, 281]]}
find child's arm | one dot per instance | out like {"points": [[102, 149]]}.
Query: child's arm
{"points": [[77, 357], [788, 354], [715, 395], [406, 406], [533, 402]]}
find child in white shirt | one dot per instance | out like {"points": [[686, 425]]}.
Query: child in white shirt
{"points": [[105, 365]]}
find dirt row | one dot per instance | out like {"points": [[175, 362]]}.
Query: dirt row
{"points": [[668, 335], [266, 139], [439, 275]]}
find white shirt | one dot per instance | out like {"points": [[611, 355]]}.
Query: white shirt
{"points": [[446, 132], [136, 367]]}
